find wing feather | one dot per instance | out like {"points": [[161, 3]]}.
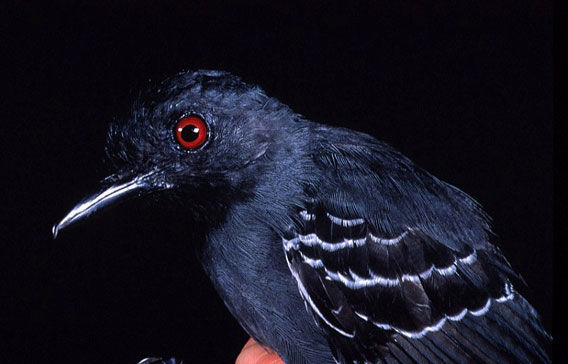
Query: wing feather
{"points": [[397, 266], [406, 295]]}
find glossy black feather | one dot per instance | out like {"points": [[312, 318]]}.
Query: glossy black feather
{"points": [[403, 275], [326, 244]]}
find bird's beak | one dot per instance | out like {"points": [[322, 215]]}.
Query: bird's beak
{"points": [[111, 194]]}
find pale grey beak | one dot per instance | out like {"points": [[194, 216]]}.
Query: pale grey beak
{"points": [[111, 195]]}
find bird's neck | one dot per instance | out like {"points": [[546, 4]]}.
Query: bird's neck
{"points": [[241, 250], [247, 236]]}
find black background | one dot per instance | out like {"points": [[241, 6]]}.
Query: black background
{"points": [[463, 90]]}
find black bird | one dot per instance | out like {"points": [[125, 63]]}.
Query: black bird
{"points": [[326, 244]]}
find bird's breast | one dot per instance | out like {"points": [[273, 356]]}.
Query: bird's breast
{"points": [[249, 271]]}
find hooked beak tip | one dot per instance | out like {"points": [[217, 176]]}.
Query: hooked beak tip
{"points": [[54, 231], [62, 224], [109, 196]]}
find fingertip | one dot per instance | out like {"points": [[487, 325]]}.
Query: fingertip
{"points": [[254, 353], [249, 343]]}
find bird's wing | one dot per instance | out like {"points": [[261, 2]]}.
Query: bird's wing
{"points": [[406, 297]]}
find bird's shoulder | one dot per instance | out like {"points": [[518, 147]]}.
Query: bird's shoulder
{"points": [[383, 251], [362, 177]]}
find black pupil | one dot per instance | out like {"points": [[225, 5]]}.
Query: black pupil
{"points": [[189, 133]]}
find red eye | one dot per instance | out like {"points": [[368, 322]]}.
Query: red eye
{"points": [[191, 132]]}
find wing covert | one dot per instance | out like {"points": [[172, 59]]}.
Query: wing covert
{"points": [[369, 289]]}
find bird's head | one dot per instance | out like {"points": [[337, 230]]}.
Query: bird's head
{"points": [[198, 135]]}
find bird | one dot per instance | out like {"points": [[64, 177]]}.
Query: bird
{"points": [[326, 244]]}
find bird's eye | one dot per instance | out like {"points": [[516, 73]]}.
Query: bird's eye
{"points": [[191, 132]]}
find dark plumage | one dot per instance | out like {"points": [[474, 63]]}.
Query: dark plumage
{"points": [[326, 244]]}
